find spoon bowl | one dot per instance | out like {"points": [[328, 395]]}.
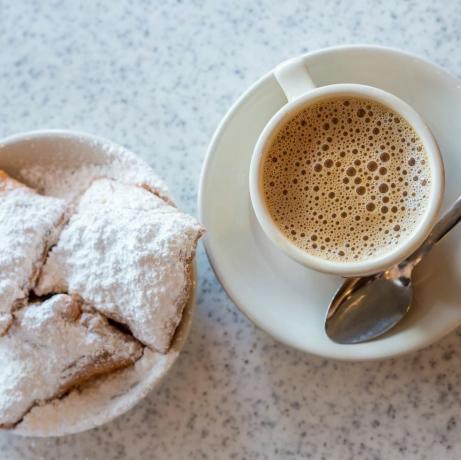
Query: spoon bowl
{"points": [[351, 320]]}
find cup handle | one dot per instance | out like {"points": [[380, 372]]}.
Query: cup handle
{"points": [[293, 78]]}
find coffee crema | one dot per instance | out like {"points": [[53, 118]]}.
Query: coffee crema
{"points": [[346, 179]]}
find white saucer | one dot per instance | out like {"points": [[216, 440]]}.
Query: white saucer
{"points": [[283, 298]]}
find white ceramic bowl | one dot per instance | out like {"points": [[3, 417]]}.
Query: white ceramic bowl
{"points": [[110, 396]]}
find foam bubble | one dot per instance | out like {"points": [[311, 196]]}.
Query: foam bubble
{"points": [[346, 179]]}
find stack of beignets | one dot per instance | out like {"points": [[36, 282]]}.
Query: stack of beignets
{"points": [[84, 287]]}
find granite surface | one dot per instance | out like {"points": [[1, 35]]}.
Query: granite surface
{"points": [[157, 76]]}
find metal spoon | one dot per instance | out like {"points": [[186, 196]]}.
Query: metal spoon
{"points": [[364, 308]]}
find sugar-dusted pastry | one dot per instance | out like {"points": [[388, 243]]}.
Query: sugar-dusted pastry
{"points": [[51, 348], [29, 225], [129, 253]]}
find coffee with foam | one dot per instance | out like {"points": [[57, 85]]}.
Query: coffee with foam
{"points": [[346, 179]]}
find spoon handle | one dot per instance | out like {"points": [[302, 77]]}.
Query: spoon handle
{"points": [[443, 226]]}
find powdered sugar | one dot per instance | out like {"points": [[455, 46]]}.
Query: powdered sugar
{"points": [[69, 182], [128, 253], [101, 400], [29, 225], [52, 346]]}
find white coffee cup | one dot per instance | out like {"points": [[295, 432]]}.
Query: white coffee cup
{"points": [[301, 92]]}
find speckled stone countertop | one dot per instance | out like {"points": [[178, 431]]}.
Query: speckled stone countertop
{"points": [[157, 77]]}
